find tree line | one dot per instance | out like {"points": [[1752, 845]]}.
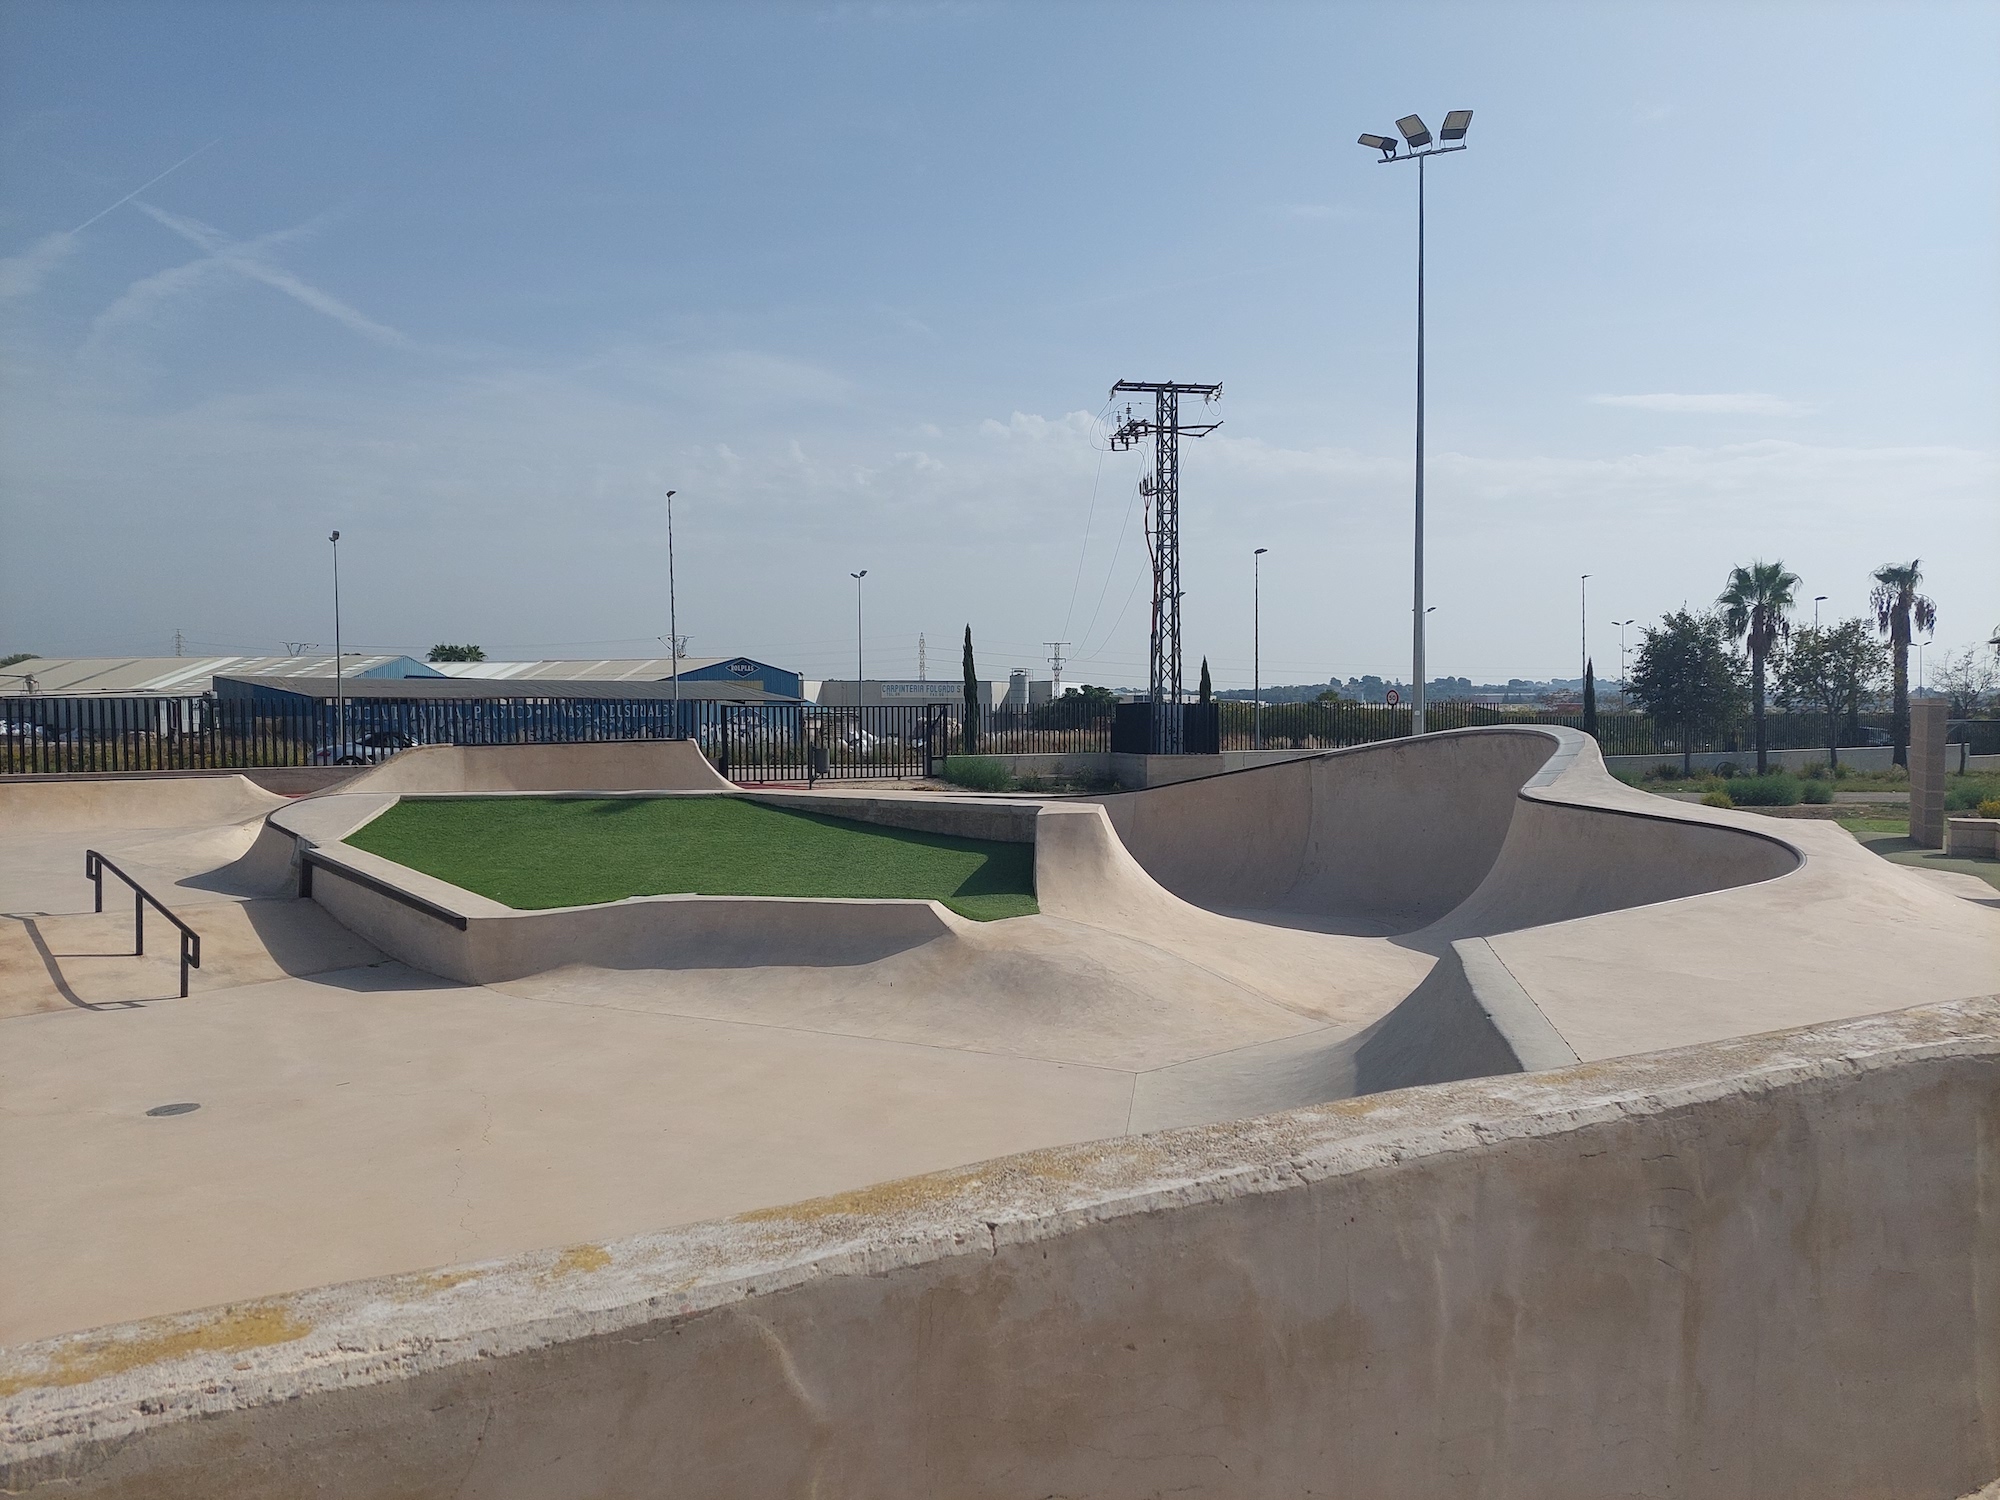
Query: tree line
{"points": [[1700, 669]]}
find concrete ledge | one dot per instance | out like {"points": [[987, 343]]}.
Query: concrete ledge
{"points": [[1975, 838], [1753, 1267], [364, 893]]}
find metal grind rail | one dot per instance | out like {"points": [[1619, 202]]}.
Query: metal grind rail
{"points": [[94, 866]]}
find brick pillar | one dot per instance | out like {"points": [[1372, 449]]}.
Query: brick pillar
{"points": [[1927, 731]]}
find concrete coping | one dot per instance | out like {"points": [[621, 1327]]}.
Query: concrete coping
{"points": [[68, 1394]]}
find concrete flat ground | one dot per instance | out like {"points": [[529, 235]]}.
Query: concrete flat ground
{"points": [[358, 1116], [1211, 960]]}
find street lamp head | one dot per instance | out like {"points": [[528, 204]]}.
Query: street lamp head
{"points": [[1455, 124], [1415, 131], [672, 493], [1383, 143], [862, 574], [334, 538], [1260, 551]]}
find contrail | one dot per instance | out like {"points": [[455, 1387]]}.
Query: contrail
{"points": [[143, 186]]}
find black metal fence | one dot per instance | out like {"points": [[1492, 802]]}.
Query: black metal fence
{"points": [[755, 742]]}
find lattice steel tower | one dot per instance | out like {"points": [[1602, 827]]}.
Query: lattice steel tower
{"points": [[1165, 429]]}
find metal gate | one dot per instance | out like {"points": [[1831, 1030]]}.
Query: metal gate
{"points": [[770, 742]]}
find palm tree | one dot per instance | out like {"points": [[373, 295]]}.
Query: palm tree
{"points": [[1898, 606], [1753, 610]]}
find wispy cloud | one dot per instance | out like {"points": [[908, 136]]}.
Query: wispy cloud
{"points": [[248, 258], [22, 275], [141, 303], [1737, 403]]}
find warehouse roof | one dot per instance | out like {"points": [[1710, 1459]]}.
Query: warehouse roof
{"points": [[479, 688], [179, 676], [622, 669]]}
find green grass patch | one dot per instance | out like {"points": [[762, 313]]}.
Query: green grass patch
{"points": [[1893, 843], [1858, 826], [532, 853]]}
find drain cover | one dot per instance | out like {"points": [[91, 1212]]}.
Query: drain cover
{"points": [[173, 1109]]}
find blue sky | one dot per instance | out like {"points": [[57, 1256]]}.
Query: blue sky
{"points": [[476, 284]]}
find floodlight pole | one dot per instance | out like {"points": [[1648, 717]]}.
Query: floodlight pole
{"points": [[1257, 647], [1417, 592], [857, 577], [1583, 622], [339, 691], [673, 614]]}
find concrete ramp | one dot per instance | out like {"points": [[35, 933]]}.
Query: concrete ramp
{"points": [[1461, 834], [1377, 839], [624, 766], [81, 803]]}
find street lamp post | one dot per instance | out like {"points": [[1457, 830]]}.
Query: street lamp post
{"points": [[1418, 137], [1818, 600], [1583, 621], [1624, 662], [339, 690], [673, 614], [1257, 647], [857, 577]]}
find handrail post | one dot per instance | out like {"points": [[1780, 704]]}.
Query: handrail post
{"points": [[138, 921]]}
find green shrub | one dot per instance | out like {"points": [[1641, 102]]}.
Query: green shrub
{"points": [[1717, 798], [1728, 770], [1990, 808], [1772, 789], [979, 773], [1817, 771], [1816, 790], [1962, 793]]}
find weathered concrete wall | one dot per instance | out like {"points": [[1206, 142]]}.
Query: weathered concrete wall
{"points": [[496, 943], [1003, 822], [1765, 1267], [1854, 757], [1927, 772]]}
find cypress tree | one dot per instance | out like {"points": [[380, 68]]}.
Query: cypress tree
{"points": [[1205, 685], [1589, 699], [971, 698]]}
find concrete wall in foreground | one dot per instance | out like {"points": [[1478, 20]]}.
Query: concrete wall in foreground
{"points": [[1766, 1267]]}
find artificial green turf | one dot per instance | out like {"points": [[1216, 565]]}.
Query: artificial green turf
{"points": [[1892, 841], [537, 852]]}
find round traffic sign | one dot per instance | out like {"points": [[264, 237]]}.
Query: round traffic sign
{"points": [[1394, 697]]}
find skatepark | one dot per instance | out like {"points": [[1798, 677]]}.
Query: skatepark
{"points": [[1243, 1002]]}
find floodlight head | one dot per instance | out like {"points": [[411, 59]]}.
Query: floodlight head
{"points": [[1385, 144], [1455, 124], [862, 574], [1415, 131], [334, 538], [1260, 551]]}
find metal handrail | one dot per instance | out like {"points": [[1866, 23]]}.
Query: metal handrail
{"points": [[94, 866]]}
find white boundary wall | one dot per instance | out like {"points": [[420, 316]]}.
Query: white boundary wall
{"points": [[1760, 1267]]}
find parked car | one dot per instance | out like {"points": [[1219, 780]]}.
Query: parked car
{"points": [[363, 749]]}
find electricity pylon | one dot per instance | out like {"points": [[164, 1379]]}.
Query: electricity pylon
{"points": [[1165, 429]]}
